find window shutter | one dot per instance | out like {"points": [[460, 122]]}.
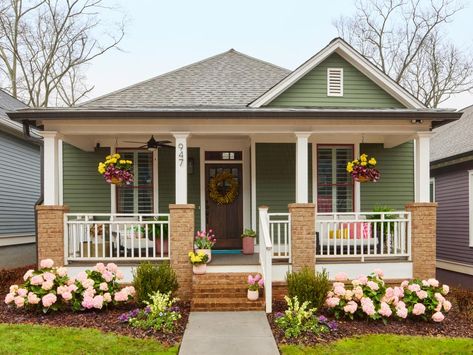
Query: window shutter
{"points": [[334, 81]]}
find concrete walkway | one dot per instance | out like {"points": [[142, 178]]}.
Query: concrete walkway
{"points": [[228, 333]]}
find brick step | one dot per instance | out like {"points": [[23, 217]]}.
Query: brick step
{"points": [[225, 304], [234, 295], [219, 288], [231, 279]]}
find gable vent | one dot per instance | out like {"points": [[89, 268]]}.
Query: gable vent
{"points": [[334, 81]]}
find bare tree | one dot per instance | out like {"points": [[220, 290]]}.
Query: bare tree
{"points": [[404, 39], [45, 45]]}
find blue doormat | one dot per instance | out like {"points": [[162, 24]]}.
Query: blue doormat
{"points": [[232, 252]]}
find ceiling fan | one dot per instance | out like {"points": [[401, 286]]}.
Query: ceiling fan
{"points": [[153, 144]]}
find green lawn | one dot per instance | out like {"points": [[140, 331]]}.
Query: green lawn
{"points": [[34, 339], [387, 344]]}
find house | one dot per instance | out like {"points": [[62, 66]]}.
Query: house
{"points": [[270, 145], [19, 190], [451, 164]]}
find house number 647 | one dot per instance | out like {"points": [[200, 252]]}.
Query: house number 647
{"points": [[180, 153]]}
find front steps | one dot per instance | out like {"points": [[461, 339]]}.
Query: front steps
{"points": [[222, 292]]}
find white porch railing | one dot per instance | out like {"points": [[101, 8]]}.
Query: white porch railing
{"points": [[265, 256], [127, 237], [280, 232], [376, 235]]}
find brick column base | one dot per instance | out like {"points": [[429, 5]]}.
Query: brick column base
{"points": [[302, 235], [182, 242], [424, 234], [50, 233]]}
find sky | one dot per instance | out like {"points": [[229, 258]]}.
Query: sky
{"points": [[165, 35]]}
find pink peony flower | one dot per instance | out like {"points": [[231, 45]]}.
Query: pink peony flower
{"points": [[130, 290], [98, 302], [438, 316], [47, 285], [107, 297], [121, 296], [19, 301], [49, 276], [100, 267], [33, 298], [332, 302], [112, 267], [89, 292], [389, 293], [355, 283], [14, 288], [385, 310], [418, 309], [413, 288], [48, 300], [433, 282], [373, 285], [37, 280], [87, 283], [348, 295], [351, 307], [341, 277], [87, 302], [66, 295], [447, 305], [425, 283], [22, 292], [439, 297], [28, 274], [379, 272], [62, 271], [358, 292], [438, 308], [339, 290], [9, 298], [46, 264], [103, 286], [398, 292], [71, 281], [367, 306], [445, 290]]}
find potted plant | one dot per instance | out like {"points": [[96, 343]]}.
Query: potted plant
{"points": [[363, 169], [199, 262], [204, 241], [116, 171], [254, 284], [248, 239]]}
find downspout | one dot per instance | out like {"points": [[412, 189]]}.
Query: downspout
{"points": [[39, 201]]}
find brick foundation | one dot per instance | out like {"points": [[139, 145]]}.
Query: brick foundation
{"points": [[182, 239], [424, 221], [51, 233], [302, 235]]}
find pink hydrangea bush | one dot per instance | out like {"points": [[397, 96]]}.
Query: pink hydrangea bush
{"points": [[368, 297], [50, 289]]}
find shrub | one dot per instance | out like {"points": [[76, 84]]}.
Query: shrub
{"points": [[159, 314], [308, 286], [299, 319], [50, 288], [149, 278]]}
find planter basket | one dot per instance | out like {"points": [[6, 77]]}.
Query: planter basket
{"points": [[199, 269], [253, 295], [208, 252]]}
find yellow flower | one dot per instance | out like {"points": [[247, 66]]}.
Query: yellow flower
{"points": [[355, 161], [116, 156], [363, 157], [372, 161], [108, 157], [113, 161], [122, 161], [129, 162], [363, 163], [349, 167]]}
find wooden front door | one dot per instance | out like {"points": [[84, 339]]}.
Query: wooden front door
{"points": [[226, 219]]}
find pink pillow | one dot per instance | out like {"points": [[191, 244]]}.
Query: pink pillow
{"points": [[359, 230]]}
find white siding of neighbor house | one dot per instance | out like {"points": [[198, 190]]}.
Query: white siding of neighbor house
{"points": [[19, 186]]}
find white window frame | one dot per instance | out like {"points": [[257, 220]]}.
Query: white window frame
{"points": [[470, 203], [330, 93]]}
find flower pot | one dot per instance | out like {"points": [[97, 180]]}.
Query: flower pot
{"points": [[253, 295], [208, 252], [362, 179], [199, 269], [248, 245], [116, 181], [165, 247]]}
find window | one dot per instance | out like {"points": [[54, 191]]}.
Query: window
{"points": [[138, 196], [470, 189], [334, 184], [432, 189], [334, 81]]}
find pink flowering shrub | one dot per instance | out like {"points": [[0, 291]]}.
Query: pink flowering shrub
{"points": [[368, 297], [50, 289]]}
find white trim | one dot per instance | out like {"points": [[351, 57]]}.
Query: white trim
{"points": [[455, 266], [181, 167], [470, 203], [314, 174], [302, 167], [392, 270], [329, 84], [155, 182], [253, 182], [354, 58], [203, 190], [60, 171], [51, 167], [422, 170], [357, 184], [246, 187], [113, 187]]}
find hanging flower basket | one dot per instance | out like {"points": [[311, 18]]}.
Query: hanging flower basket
{"points": [[364, 169], [116, 171]]}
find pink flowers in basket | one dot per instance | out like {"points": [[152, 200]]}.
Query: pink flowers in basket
{"points": [[50, 288], [368, 296]]}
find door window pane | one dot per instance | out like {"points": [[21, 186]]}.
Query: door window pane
{"points": [[334, 184]]}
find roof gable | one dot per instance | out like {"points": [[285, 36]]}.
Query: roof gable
{"points": [[343, 50]]}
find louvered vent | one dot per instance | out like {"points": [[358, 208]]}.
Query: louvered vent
{"points": [[335, 82]]}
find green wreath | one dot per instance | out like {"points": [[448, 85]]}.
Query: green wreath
{"points": [[230, 195]]}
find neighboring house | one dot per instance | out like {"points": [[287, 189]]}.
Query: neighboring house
{"points": [[19, 190], [284, 138], [451, 163]]}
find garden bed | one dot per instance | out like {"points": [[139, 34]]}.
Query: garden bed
{"points": [[456, 324]]}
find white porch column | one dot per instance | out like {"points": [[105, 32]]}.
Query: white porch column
{"points": [[302, 167], [422, 168], [51, 167], [181, 167]]}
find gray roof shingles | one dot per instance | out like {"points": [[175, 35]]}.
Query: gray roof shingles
{"points": [[9, 103], [229, 79], [454, 138]]}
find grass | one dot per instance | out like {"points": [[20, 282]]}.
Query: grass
{"points": [[387, 344], [36, 339]]}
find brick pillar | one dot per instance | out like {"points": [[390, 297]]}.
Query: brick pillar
{"points": [[302, 235], [182, 242], [424, 223], [51, 233]]}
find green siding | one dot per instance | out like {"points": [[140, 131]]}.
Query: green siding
{"points": [[84, 188], [359, 91], [396, 186], [166, 181], [276, 175]]}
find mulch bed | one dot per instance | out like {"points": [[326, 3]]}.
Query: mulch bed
{"points": [[455, 324], [105, 320]]}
